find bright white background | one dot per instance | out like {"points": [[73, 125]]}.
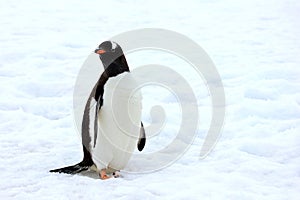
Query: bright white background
{"points": [[255, 47]]}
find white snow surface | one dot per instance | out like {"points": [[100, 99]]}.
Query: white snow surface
{"points": [[255, 46]]}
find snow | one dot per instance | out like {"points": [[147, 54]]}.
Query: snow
{"points": [[255, 47]]}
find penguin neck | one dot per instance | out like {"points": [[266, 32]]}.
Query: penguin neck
{"points": [[119, 64], [115, 68]]}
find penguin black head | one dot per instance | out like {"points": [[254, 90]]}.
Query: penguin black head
{"points": [[112, 57]]}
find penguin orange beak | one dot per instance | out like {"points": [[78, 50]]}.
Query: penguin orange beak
{"points": [[100, 51]]}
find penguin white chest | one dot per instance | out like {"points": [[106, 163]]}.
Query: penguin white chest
{"points": [[118, 123]]}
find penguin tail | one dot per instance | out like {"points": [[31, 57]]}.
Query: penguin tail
{"points": [[74, 169], [84, 165]]}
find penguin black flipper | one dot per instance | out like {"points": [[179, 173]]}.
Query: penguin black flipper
{"points": [[98, 107], [142, 140]]}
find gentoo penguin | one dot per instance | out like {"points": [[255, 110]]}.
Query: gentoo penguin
{"points": [[111, 125]]}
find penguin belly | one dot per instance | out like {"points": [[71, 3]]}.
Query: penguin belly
{"points": [[118, 124]]}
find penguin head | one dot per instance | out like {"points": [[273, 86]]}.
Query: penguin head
{"points": [[112, 57]]}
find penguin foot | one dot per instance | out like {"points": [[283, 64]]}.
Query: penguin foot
{"points": [[103, 175]]}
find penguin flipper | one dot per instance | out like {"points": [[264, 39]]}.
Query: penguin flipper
{"points": [[142, 140], [98, 107]]}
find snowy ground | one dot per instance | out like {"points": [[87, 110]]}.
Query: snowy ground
{"points": [[255, 46]]}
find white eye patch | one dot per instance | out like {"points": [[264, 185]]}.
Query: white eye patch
{"points": [[113, 45]]}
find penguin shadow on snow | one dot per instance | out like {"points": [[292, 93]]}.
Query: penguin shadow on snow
{"points": [[98, 126]]}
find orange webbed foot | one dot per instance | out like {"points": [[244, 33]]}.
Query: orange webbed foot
{"points": [[103, 175]]}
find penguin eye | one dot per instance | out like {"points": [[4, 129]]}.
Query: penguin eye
{"points": [[113, 50]]}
